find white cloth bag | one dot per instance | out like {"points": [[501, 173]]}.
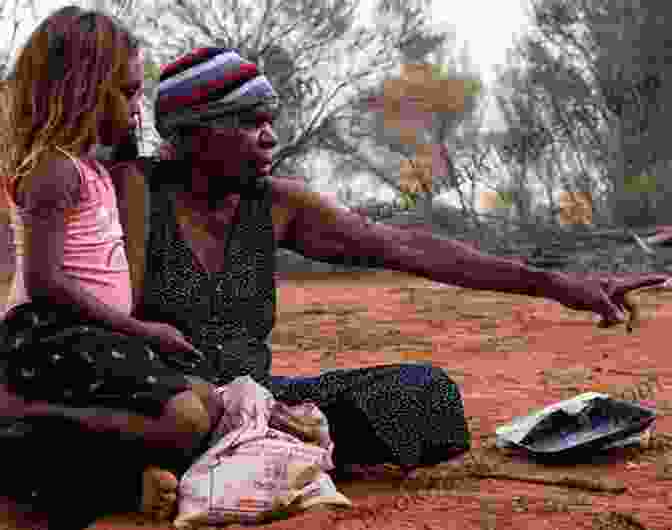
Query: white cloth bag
{"points": [[267, 459]]}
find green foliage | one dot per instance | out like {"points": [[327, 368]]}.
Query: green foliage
{"points": [[408, 200], [152, 71], [440, 71], [593, 90], [473, 87], [640, 184], [505, 199]]}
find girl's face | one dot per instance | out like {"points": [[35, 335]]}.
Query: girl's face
{"points": [[112, 130]]}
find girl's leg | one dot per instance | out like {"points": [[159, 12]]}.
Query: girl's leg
{"points": [[209, 399], [182, 425], [133, 395], [159, 486]]}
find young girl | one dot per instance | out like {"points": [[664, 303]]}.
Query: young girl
{"points": [[71, 347]]}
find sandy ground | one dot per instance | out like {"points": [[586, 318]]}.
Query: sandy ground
{"points": [[509, 354]]}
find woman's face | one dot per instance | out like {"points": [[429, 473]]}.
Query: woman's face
{"points": [[231, 157], [130, 86]]}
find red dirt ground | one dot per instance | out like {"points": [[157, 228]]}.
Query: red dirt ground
{"points": [[509, 354]]}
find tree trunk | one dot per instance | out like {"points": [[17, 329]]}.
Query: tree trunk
{"points": [[617, 172], [423, 207]]}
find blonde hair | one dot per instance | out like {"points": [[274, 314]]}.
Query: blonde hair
{"points": [[65, 81], [5, 102]]}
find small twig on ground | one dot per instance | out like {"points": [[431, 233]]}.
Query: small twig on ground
{"points": [[479, 467], [566, 481]]}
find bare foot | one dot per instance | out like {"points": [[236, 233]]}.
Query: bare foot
{"points": [[159, 494]]}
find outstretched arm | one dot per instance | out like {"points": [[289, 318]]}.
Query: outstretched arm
{"points": [[321, 230]]}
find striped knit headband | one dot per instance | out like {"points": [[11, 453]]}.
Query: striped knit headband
{"points": [[205, 85]]}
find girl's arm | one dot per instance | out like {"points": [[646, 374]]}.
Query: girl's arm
{"points": [[51, 189]]}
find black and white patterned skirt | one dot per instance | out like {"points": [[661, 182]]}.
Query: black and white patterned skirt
{"points": [[49, 355]]}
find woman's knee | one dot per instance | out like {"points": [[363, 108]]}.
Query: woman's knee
{"points": [[437, 375]]}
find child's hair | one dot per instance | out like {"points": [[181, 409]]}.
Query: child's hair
{"points": [[4, 124], [65, 80]]}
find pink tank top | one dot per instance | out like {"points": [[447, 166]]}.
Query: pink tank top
{"points": [[94, 254]]}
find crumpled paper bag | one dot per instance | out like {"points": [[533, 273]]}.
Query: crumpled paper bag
{"points": [[267, 459], [587, 422]]}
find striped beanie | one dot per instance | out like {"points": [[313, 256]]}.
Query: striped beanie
{"points": [[207, 84]]}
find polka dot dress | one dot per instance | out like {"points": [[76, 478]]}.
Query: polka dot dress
{"points": [[410, 415], [228, 315]]}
